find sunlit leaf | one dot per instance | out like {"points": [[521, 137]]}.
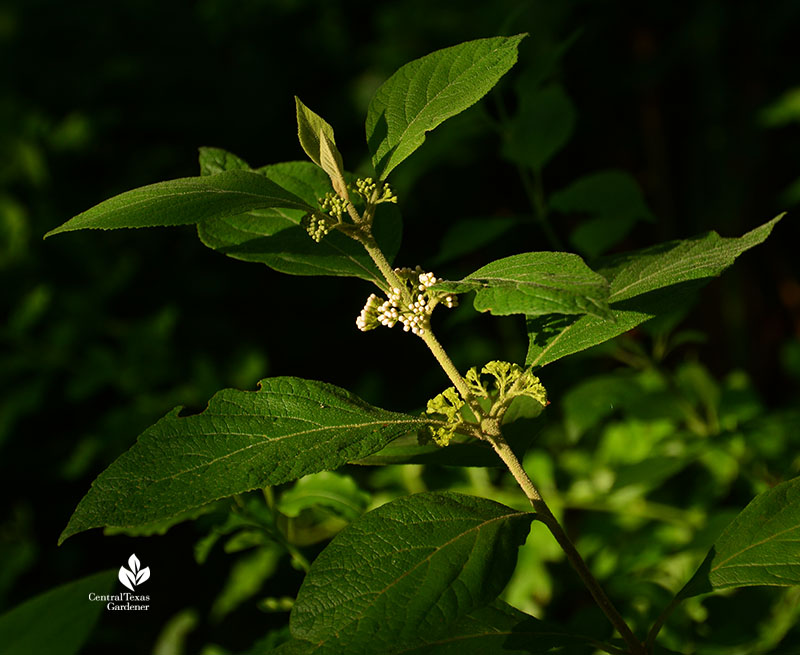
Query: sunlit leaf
{"points": [[438, 556], [427, 91], [244, 440]]}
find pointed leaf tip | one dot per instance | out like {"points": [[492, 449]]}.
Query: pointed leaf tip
{"points": [[427, 91]]}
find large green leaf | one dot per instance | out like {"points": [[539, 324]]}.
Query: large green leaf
{"points": [[427, 91], [244, 440], [761, 546], [496, 628], [408, 568], [644, 283], [536, 283], [57, 622], [186, 201], [275, 237]]}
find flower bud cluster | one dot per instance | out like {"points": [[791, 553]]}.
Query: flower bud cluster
{"points": [[317, 226], [366, 188], [333, 205], [415, 315]]}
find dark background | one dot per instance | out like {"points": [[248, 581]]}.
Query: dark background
{"points": [[102, 333]]}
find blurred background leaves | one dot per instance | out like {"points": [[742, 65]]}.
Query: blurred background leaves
{"points": [[618, 113]]}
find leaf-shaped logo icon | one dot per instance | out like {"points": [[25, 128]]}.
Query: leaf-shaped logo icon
{"points": [[136, 575], [143, 575], [126, 578]]}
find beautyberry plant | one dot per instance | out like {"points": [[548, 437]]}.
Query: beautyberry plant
{"points": [[421, 573]]}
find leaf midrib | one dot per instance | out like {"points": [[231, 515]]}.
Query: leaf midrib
{"points": [[420, 563], [266, 440], [429, 102]]}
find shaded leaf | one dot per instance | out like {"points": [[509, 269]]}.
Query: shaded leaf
{"points": [[613, 202], [644, 283], [535, 283], [461, 451], [244, 440], [185, 201], [497, 628], [760, 547], [337, 492], [245, 579], [438, 556], [500, 628], [57, 622], [217, 160], [541, 128], [275, 238], [427, 91], [471, 234], [161, 527]]}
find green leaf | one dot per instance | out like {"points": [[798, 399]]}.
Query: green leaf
{"points": [[185, 201], [541, 128], [760, 547], [339, 493], [497, 628], [217, 160], [274, 237], [471, 234], [461, 451], [536, 283], [782, 111], [427, 91], [409, 568], [644, 283], [244, 440], [161, 527], [309, 127], [57, 622], [316, 137], [501, 628], [614, 204], [331, 161], [245, 579]]}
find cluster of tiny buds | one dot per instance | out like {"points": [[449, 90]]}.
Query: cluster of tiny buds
{"points": [[317, 226], [414, 316], [366, 187], [333, 205]]}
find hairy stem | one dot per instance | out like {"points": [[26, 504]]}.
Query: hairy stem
{"points": [[383, 264], [490, 431], [452, 372], [546, 516], [428, 337]]}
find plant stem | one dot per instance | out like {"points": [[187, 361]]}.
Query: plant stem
{"points": [[382, 263], [428, 337], [490, 431], [534, 189], [660, 621], [544, 515], [452, 372]]}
